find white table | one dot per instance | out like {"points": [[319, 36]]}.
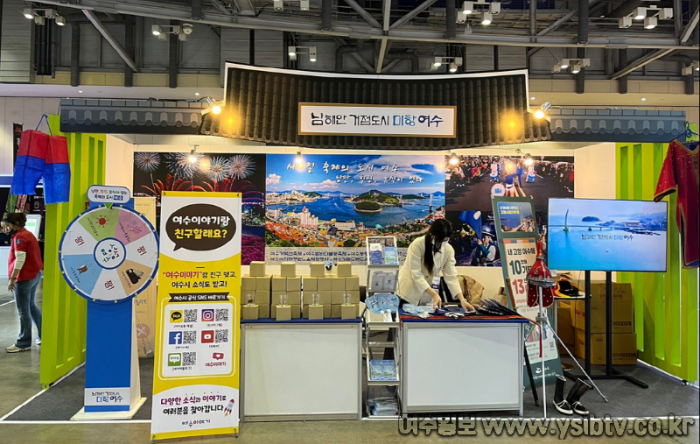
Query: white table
{"points": [[461, 365], [301, 370]]}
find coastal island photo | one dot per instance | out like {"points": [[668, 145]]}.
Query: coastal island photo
{"points": [[339, 200]]}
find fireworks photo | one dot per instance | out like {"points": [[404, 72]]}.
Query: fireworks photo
{"points": [[203, 172]]}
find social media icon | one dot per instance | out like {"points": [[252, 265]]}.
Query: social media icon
{"points": [[174, 359], [217, 356], [207, 315], [176, 316], [175, 338], [207, 336]]}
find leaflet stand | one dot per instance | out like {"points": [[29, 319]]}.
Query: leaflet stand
{"points": [[610, 372], [372, 321]]}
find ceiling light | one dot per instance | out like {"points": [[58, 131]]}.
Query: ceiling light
{"points": [[312, 53], [486, 19], [216, 109], [650, 22], [532, 98], [304, 5], [528, 160], [28, 13], [644, 99], [467, 8], [454, 160], [80, 91], [665, 13], [461, 17], [278, 5], [453, 67], [299, 160], [624, 22], [539, 114], [495, 8], [575, 68], [564, 63], [60, 20], [196, 94], [39, 20], [182, 37], [156, 30], [640, 13], [436, 64]]}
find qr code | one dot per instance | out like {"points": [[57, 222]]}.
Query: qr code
{"points": [[191, 315], [189, 358], [189, 337], [221, 336], [221, 314]]}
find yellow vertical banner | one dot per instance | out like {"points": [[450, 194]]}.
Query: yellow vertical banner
{"points": [[196, 375], [145, 302]]}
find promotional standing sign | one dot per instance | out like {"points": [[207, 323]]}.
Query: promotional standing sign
{"points": [[109, 255], [517, 231], [196, 373]]}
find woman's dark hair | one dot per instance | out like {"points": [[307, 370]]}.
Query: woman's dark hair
{"points": [[440, 230], [18, 219]]}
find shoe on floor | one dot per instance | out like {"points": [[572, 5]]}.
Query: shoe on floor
{"points": [[15, 349], [38, 342]]}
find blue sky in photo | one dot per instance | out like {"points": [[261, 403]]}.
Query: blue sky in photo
{"points": [[430, 168]]}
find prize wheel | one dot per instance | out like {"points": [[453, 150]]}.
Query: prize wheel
{"points": [[109, 254]]}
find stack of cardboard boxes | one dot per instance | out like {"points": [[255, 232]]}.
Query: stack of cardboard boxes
{"points": [[572, 325], [331, 290], [289, 283], [256, 285]]}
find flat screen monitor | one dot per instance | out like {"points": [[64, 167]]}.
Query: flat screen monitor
{"points": [[607, 235]]}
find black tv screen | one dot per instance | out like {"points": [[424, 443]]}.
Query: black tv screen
{"points": [[607, 235]]}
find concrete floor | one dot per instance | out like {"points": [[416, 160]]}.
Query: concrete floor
{"points": [[19, 380]]}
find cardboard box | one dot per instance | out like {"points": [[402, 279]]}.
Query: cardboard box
{"points": [[282, 312], [325, 298], [344, 269], [352, 283], [622, 319], [294, 283], [337, 283], [279, 283], [565, 326], [337, 297], [317, 269], [245, 295], [263, 311], [262, 297], [325, 284], [326, 311], [309, 283], [315, 312], [250, 312], [262, 283], [293, 297], [348, 311], [622, 292], [289, 269], [624, 348], [257, 269], [247, 283], [295, 311], [336, 311]]}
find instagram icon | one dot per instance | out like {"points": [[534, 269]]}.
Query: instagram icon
{"points": [[208, 315]]}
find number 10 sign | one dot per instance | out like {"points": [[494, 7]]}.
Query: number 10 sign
{"points": [[519, 256]]}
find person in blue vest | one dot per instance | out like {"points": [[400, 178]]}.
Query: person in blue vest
{"points": [[486, 253]]}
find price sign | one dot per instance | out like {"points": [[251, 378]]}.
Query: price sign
{"points": [[520, 256]]}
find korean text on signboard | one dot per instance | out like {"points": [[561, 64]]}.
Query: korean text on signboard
{"points": [[376, 120]]}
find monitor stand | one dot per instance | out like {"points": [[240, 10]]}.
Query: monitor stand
{"points": [[610, 372]]}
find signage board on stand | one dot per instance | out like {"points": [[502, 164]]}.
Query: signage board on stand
{"points": [[196, 373], [108, 255], [517, 231]]}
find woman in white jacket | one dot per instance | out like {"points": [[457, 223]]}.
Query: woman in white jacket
{"points": [[428, 258]]}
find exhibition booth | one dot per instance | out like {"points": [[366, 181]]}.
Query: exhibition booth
{"points": [[252, 271]]}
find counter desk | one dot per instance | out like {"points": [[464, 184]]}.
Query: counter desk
{"points": [[301, 370], [462, 365]]}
